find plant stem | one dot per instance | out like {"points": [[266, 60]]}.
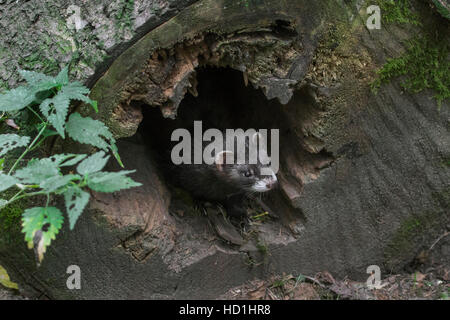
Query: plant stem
{"points": [[18, 196], [36, 114], [38, 144], [15, 196], [28, 148], [48, 200]]}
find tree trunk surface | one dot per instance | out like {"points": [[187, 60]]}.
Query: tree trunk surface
{"points": [[363, 178]]}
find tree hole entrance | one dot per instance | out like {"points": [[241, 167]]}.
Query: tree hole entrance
{"points": [[221, 98]]}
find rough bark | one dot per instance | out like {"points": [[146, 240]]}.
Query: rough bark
{"points": [[363, 181]]}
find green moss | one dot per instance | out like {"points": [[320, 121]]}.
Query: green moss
{"points": [[262, 248], [397, 11], [124, 16], [3, 86], [425, 65], [10, 217], [442, 197], [40, 60], [406, 237]]}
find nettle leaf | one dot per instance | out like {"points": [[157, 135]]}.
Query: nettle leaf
{"points": [[111, 181], [19, 98], [9, 142], [76, 158], [41, 82], [93, 132], [63, 76], [89, 131], [94, 163], [41, 225], [76, 200], [6, 182], [54, 183], [61, 160], [55, 109], [76, 91], [38, 171], [16, 99]]}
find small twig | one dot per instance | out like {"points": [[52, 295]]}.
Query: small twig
{"points": [[271, 294], [315, 281], [439, 239]]}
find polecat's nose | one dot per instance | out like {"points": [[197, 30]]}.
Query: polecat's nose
{"points": [[271, 184]]}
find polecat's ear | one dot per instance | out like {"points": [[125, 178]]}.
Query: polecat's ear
{"points": [[222, 158]]}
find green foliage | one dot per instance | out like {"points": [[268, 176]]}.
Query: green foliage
{"points": [[93, 132], [443, 8], [425, 65], [124, 15], [111, 181], [397, 11], [445, 295], [6, 182], [94, 163], [56, 109], [10, 215], [16, 99], [41, 225], [76, 200], [49, 176], [9, 142], [37, 171]]}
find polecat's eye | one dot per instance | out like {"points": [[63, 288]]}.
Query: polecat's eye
{"points": [[247, 174]]}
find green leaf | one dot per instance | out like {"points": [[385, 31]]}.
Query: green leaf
{"points": [[77, 158], [38, 171], [16, 99], [23, 96], [76, 91], [63, 76], [41, 82], [55, 109], [89, 131], [38, 81], [111, 181], [61, 160], [6, 182], [115, 152], [94, 163], [443, 8], [76, 200], [54, 183], [93, 132], [2, 161], [3, 202], [9, 142], [41, 225]]}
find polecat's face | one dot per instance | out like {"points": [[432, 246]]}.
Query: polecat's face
{"points": [[249, 178]]}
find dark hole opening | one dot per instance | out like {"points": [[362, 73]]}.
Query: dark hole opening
{"points": [[225, 102]]}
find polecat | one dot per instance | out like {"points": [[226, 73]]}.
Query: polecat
{"points": [[223, 182]]}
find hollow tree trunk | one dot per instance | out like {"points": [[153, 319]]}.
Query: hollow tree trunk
{"points": [[361, 179]]}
